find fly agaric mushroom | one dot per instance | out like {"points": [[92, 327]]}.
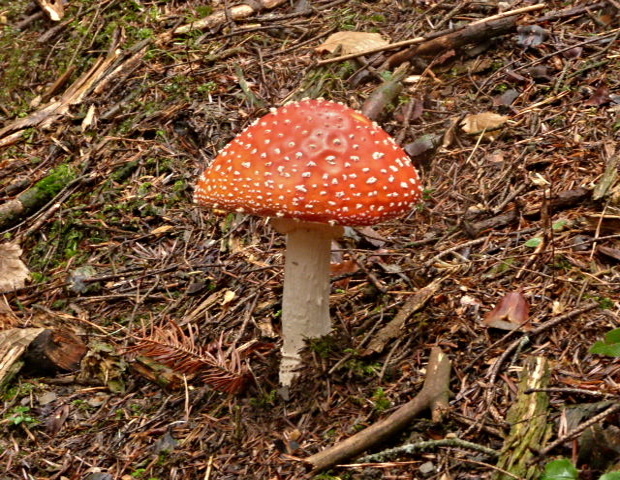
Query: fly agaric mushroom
{"points": [[314, 165]]}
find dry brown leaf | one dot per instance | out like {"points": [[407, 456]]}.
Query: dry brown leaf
{"points": [[352, 42], [343, 268], [511, 313], [13, 272], [485, 121], [599, 97]]}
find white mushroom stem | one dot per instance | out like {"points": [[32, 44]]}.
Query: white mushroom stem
{"points": [[305, 303]]}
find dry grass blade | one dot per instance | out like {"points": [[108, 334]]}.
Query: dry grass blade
{"points": [[221, 369]]}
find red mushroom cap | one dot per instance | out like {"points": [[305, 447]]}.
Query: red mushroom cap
{"points": [[316, 161]]}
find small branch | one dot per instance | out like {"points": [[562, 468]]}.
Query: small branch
{"points": [[393, 328], [418, 40], [236, 12], [411, 448], [520, 342], [433, 396], [576, 431]]}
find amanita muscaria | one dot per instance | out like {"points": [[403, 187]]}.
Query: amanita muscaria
{"points": [[314, 166]]}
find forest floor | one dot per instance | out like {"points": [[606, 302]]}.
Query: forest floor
{"points": [[512, 258]]}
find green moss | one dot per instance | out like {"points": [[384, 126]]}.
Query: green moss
{"points": [[47, 188], [204, 10], [380, 400], [56, 180]]}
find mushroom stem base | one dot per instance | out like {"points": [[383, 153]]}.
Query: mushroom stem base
{"points": [[305, 303]]}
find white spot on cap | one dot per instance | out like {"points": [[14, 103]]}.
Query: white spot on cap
{"points": [[378, 155], [371, 180]]}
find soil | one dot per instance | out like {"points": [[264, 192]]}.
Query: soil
{"points": [[107, 118]]}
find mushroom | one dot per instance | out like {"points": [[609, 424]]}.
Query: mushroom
{"points": [[313, 165]]}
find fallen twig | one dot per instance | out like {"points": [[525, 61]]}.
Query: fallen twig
{"points": [[418, 40], [220, 17], [434, 395], [392, 329], [422, 446], [576, 431], [520, 342]]}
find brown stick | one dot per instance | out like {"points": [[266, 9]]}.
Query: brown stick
{"points": [[416, 40], [471, 34], [434, 395]]}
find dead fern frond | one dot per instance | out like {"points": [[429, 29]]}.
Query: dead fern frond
{"points": [[220, 368]]}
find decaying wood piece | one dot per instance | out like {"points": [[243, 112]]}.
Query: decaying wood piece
{"points": [[501, 220], [418, 40], [560, 201], [484, 29], [528, 420], [13, 343], [393, 329], [237, 12], [434, 396], [471, 34], [53, 351]]}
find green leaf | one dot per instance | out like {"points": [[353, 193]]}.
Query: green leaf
{"points": [[533, 242], [559, 225], [561, 469], [610, 346], [611, 476]]}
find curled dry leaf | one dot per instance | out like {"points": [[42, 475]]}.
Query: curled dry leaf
{"points": [[511, 313], [480, 122], [599, 97], [506, 98], [13, 272], [352, 42], [531, 35]]}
